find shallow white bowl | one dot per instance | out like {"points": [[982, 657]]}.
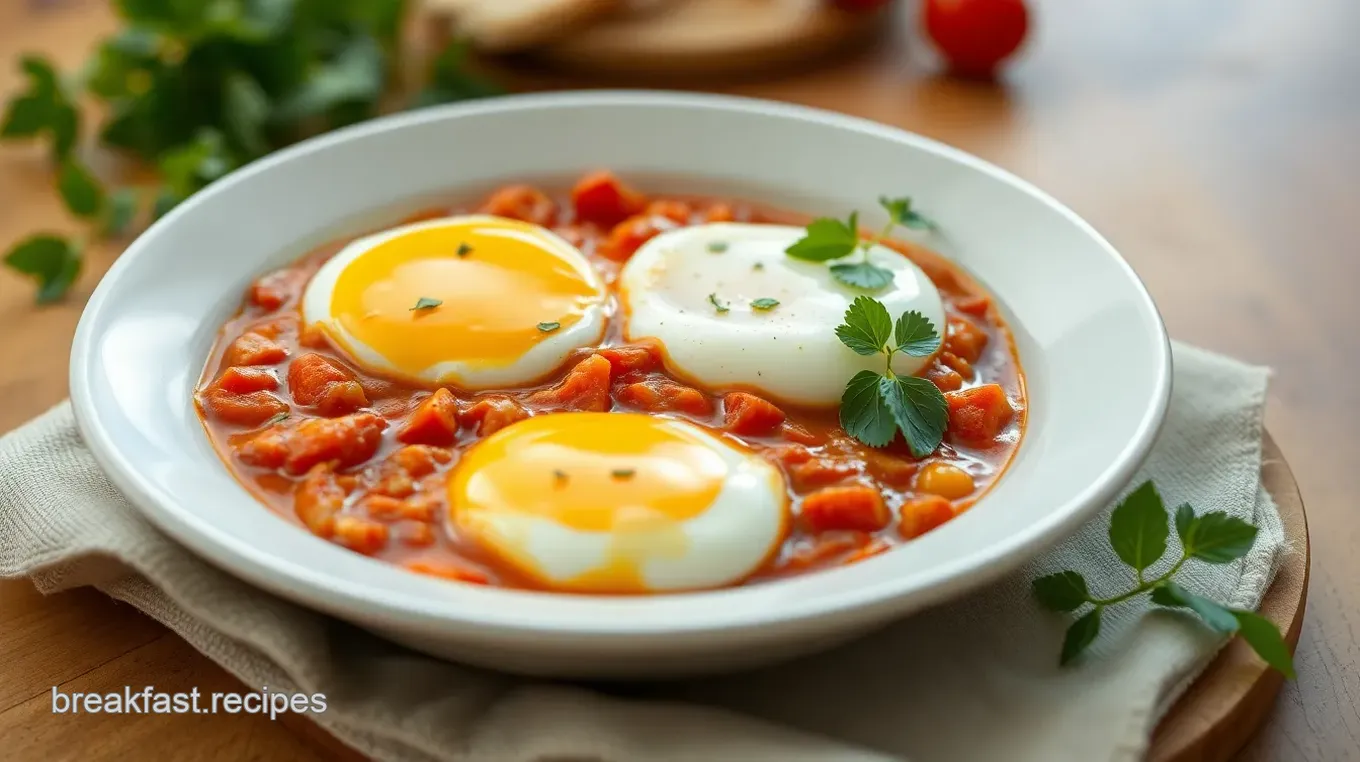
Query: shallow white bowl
{"points": [[1091, 342]]}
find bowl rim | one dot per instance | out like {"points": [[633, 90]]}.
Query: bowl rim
{"points": [[361, 599]]}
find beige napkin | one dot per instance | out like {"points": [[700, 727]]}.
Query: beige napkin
{"points": [[975, 679]]}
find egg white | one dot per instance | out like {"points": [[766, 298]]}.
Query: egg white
{"points": [[547, 355], [722, 545], [790, 352]]}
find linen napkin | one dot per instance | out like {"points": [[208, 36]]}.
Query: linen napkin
{"points": [[973, 679]]}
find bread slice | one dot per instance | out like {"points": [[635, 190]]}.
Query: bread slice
{"points": [[508, 25]]}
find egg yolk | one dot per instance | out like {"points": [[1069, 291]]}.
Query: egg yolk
{"points": [[480, 292]]}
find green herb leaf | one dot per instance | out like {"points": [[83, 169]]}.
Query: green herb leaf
{"points": [[1215, 537], [450, 80], [916, 335], [826, 239], [245, 110], [119, 210], [82, 193], [44, 107], [549, 327], [764, 304], [166, 199], [1265, 639], [1064, 591], [27, 116], [864, 414], [559, 475], [189, 167], [52, 261], [863, 275], [623, 473], [867, 327], [1138, 527], [426, 303], [899, 209], [464, 249], [1080, 635], [719, 306], [919, 409], [1216, 616], [717, 247], [353, 77]]}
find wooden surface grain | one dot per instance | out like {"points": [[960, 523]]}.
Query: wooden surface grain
{"points": [[1216, 143]]}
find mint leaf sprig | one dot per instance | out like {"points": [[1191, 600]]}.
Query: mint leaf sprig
{"points": [[876, 406], [1138, 534], [828, 238]]}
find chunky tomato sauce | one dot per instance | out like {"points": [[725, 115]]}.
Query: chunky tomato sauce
{"points": [[362, 460]]}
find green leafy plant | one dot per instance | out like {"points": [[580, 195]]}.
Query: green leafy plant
{"points": [[876, 406], [828, 239], [196, 89], [1139, 528]]}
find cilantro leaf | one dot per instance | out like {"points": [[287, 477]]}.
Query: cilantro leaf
{"points": [[1215, 537], [81, 192], [1216, 616], [119, 211], [864, 414], [426, 303], [1265, 639], [1064, 591], [826, 239], [919, 409], [721, 307], [1138, 527], [549, 326], [27, 116], [867, 327], [44, 107], [869, 277], [899, 209], [916, 335], [764, 304], [1080, 635], [52, 261]]}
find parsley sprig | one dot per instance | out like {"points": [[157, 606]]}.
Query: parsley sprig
{"points": [[876, 406], [1139, 529], [828, 238]]}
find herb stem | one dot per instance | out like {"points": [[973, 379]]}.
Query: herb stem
{"points": [[1142, 587]]}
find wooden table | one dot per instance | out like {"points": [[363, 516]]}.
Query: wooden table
{"points": [[1215, 142]]}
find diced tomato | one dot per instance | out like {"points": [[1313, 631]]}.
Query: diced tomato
{"points": [[821, 472], [572, 235], [323, 383], [922, 514], [382, 507], [660, 394], [318, 499], [348, 441], [253, 348], [314, 337], [602, 198], [491, 414], [247, 380], [359, 534], [875, 547], [585, 387], [628, 236], [250, 409], [521, 202], [750, 416], [276, 289], [396, 476], [676, 211], [415, 534], [890, 469], [977, 415], [856, 507], [957, 364], [446, 570], [789, 455], [435, 422], [795, 433], [973, 305], [947, 379], [965, 339], [640, 357], [719, 213], [822, 551]]}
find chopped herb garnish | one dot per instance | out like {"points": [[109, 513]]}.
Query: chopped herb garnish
{"points": [[764, 304], [464, 249], [549, 327], [876, 406], [719, 306], [623, 473], [426, 303], [276, 418], [758, 266], [717, 247], [827, 239], [559, 476]]}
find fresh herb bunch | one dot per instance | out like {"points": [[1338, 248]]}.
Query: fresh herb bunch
{"points": [[1139, 528], [828, 238], [197, 89], [878, 405]]}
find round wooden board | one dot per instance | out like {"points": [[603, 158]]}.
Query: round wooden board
{"points": [[1223, 709], [1219, 713]]}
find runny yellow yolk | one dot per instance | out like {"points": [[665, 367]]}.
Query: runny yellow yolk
{"points": [[495, 280], [631, 477]]}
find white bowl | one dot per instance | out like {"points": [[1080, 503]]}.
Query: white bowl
{"points": [[1092, 346]]}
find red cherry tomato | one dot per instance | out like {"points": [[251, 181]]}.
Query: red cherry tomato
{"points": [[976, 35], [861, 5]]}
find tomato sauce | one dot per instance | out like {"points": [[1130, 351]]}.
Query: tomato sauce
{"points": [[362, 460]]}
